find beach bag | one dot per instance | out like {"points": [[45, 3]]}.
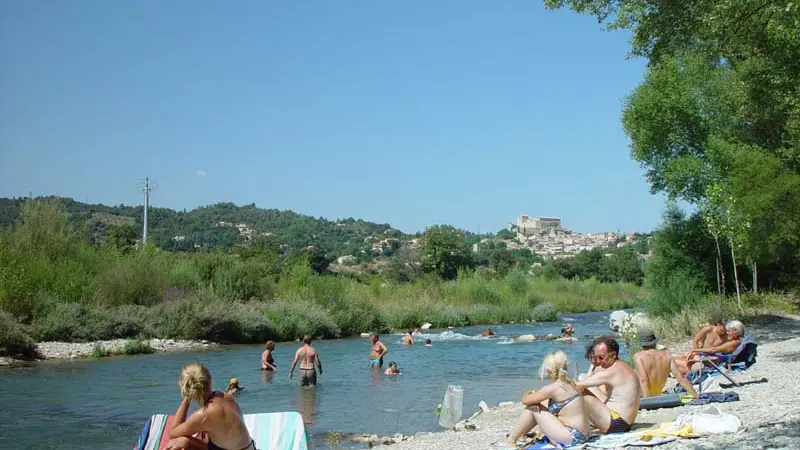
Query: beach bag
{"points": [[451, 406]]}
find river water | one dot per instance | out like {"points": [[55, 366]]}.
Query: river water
{"points": [[104, 403]]}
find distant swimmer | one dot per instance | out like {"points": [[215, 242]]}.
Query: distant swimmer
{"points": [[267, 361], [416, 332], [234, 387], [428, 343], [487, 333], [407, 339], [377, 352], [567, 333], [392, 369], [307, 356]]}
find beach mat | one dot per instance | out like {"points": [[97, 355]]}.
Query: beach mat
{"points": [[270, 431], [664, 401]]}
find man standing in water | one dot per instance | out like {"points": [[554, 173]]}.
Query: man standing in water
{"points": [[307, 356], [408, 339], [616, 411], [377, 352]]}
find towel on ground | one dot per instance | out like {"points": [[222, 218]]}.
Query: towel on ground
{"points": [[715, 397]]}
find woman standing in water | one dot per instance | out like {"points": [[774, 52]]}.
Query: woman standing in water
{"points": [[267, 361], [219, 418], [563, 420]]}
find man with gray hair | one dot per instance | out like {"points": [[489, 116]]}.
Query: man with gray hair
{"points": [[735, 332]]}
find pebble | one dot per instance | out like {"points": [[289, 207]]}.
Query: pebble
{"points": [[72, 350]]}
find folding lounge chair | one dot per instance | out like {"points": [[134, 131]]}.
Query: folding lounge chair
{"points": [[745, 354], [271, 431]]}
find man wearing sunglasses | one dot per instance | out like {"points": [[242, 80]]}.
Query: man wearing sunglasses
{"points": [[611, 391]]}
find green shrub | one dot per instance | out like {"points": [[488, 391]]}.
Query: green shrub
{"points": [[137, 347], [680, 292], [517, 281], [244, 281], [136, 280], [544, 313], [99, 352], [14, 338], [184, 275]]}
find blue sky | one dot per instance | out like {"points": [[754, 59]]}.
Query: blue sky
{"points": [[466, 112]]}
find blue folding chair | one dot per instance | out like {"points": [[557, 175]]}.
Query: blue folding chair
{"points": [[745, 354]]}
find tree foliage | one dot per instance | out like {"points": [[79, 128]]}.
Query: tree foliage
{"points": [[445, 252]]}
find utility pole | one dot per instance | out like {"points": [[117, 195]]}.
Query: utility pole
{"points": [[146, 188]]}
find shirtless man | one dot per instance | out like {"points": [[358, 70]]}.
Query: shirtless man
{"points": [[711, 335], [616, 412], [377, 352], [408, 339], [734, 332], [307, 356], [653, 367]]}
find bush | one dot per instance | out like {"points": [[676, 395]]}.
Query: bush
{"points": [[14, 338], [137, 347], [517, 282], [680, 292], [137, 280], [99, 352], [544, 313]]}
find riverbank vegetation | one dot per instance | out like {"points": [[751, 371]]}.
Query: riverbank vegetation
{"points": [[716, 125], [57, 285]]}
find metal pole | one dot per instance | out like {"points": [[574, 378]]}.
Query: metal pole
{"points": [[146, 207]]}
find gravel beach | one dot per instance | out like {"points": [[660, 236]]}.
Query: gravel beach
{"points": [[770, 411], [67, 350]]}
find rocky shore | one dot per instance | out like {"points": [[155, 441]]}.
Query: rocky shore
{"points": [[72, 350], [769, 411]]}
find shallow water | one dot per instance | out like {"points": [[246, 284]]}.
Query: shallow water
{"points": [[104, 403]]}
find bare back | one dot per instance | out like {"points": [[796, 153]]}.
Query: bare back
{"points": [[307, 356], [652, 368], [226, 428]]}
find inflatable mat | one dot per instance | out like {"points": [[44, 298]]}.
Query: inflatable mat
{"points": [[271, 431]]}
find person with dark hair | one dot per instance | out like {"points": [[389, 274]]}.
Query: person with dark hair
{"points": [[616, 411], [408, 339], [307, 356], [653, 366], [428, 342], [377, 351]]}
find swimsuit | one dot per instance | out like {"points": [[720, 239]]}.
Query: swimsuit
{"points": [[270, 360], [376, 362], [556, 407], [308, 377], [618, 424], [577, 436], [250, 446]]}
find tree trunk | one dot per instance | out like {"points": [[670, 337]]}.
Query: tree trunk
{"points": [[755, 278], [736, 278], [720, 270]]}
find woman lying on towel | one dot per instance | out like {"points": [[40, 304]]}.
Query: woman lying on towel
{"points": [[562, 419], [219, 420]]}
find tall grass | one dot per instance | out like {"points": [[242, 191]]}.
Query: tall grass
{"points": [[54, 285]]}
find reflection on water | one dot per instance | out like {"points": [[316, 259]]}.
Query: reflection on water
{"points": [[305, 401], [266, 376]]}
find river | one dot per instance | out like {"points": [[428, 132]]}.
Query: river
{"points": [[104, 403]]}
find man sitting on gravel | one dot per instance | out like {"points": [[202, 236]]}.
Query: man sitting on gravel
{"points": [[616, 412], [653, 367]]}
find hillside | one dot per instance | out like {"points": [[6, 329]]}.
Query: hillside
{"points": [[220, 226]]}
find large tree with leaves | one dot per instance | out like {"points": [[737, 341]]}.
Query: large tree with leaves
{"points": [[445, 252]]}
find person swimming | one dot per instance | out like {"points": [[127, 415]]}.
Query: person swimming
{"points": [[487, 333], [408, 339], [234, 387], [428, 343], [392, 369]]}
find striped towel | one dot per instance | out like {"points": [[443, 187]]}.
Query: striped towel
{"points": [[271, 431]]}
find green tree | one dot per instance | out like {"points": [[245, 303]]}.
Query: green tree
{"points": [[502, 261], [445, 252], [122, 237]]}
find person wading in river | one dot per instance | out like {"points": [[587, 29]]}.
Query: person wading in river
{"points": [[307, 356], [377, 352]]}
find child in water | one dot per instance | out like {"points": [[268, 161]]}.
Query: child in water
{"points": [[428, 343], [234, 387], [392, 370]]}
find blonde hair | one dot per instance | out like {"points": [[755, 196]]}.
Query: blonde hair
{"points": [[194, 381], [736, 326], [555, 367], [269, 345]]}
